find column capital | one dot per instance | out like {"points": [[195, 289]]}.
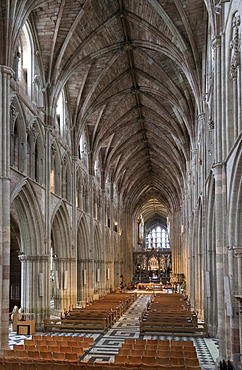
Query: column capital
{"points": [[24, 258], [238, 251], [64, 259]]}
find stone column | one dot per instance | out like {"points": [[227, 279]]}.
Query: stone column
{"points": [[65, 283], [35, 275], [219, 175], [74, 233], [238, 255], [5, 76], [216, 44]]}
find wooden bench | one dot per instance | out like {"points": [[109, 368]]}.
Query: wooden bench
{"points": [[94, 326], [179, 329]]}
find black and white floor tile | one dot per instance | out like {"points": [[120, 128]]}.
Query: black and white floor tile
{"points": [[106, 345]]}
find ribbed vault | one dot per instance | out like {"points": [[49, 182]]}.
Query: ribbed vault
{"points": [[131, 72]]}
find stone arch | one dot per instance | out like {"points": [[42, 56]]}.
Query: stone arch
{"points": [[64, 259], [98, 262], [235, 199], [109, 262], [26, 219], [84, 263], [29, 218], [18, 136], [15, 264], [61, 231], [234, 240]]}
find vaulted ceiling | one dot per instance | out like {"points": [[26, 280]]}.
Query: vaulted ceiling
{"points": [[131, 70]]}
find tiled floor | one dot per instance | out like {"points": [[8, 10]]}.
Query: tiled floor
{"points": [[107, 345]]}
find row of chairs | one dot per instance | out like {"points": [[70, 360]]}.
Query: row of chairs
{"points": [[35, 365], [160, 342], [89, 340], [155, 360], [44, 356], [155, 353]]}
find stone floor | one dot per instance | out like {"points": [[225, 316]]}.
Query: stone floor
{"points": [[107, 345]]}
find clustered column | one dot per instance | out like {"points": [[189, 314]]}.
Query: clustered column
{"points": [[5, 76]]}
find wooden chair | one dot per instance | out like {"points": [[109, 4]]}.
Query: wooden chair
{"points": [[135, 360], [78, 351], [139, 345], [58, 337], [129, 340], [120, 359], [29, 347], [162, 353], [162, 361], [36, 337], [71, 357], [90, 340], [19, 347], [124, 351], [50, 342], [58, 356], [66, 349], [174, 353], [193, 368], [136, 352], [150, 352], [48, 337], [190, 354], [163, 347], [42, 348], [177, 361], [140, 341], [152, 341], [84, 345], [189, 349], [8, 354], [148, 360], [80, 365], [79, 339], [47, 356], [33, 355], [151, 346], [54, 348], [128, 345]]}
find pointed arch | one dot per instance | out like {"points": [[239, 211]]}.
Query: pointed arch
{"points": [[25, 207], [235, 199], [61, 232], [82, 239]]}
